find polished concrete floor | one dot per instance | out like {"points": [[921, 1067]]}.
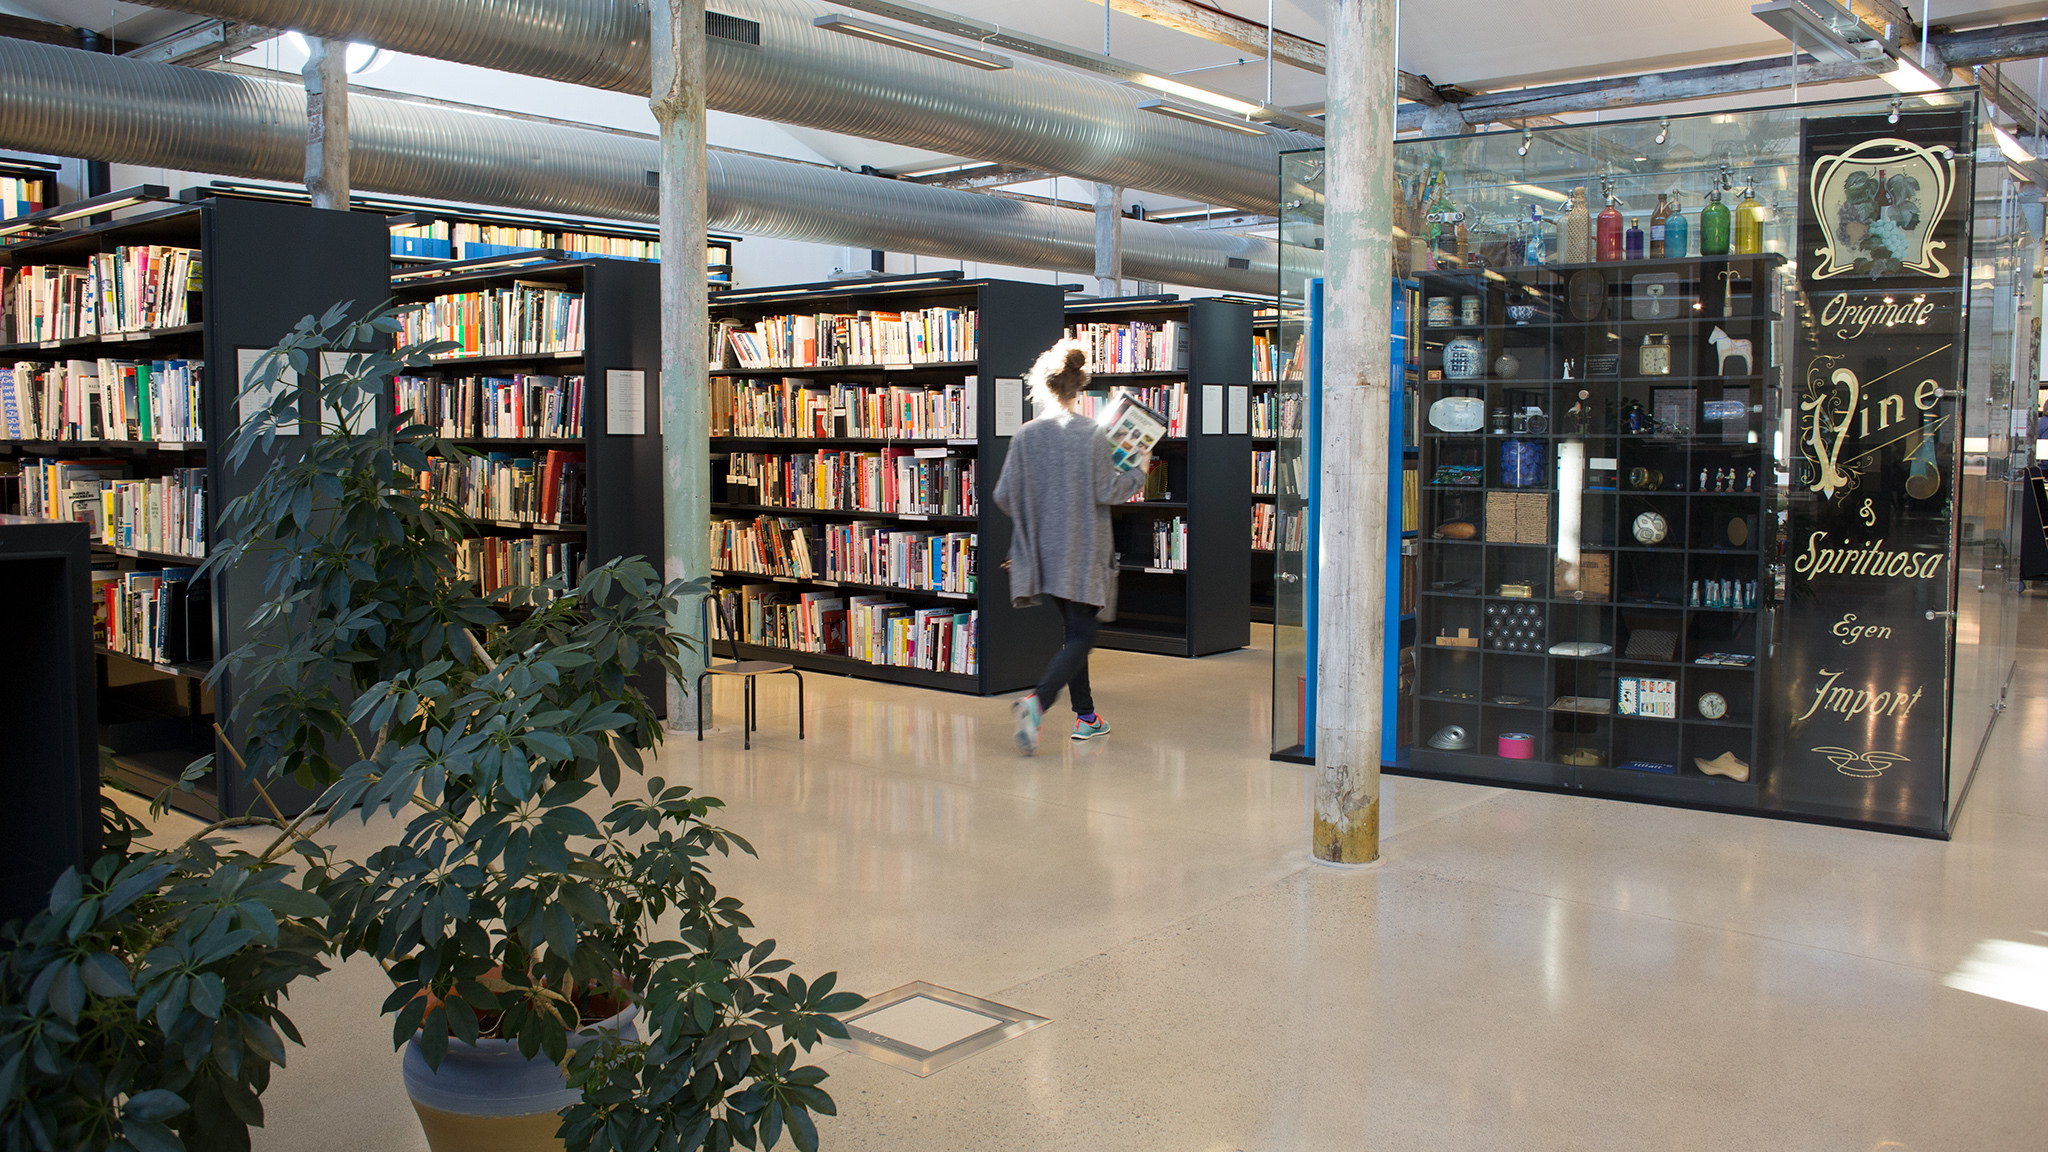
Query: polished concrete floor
{"points": [[1525, 971]]}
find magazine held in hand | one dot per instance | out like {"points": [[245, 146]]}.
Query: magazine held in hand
{"points": [[1133, 429]]}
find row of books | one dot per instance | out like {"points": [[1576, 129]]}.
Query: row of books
{"points": [[494, 562], [1273, 527], [822, 340], [153, 400], [803, 409], [861, 552], [541, 488], [1272, 476], [1138, 346], [1411, 498], [1275, 415], [525, 319], [157, 513], [1170, 543], [1273, 361], [69, 490], [492, 407], [905, 481], [870, 628], [20, 196], [131, 289], [1169, 400], [467, 240], [162, 616]]}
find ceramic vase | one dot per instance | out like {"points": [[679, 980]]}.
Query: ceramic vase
{"points": [[486, 1097]]}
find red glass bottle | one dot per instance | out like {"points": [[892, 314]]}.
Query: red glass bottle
{"points": [[1607, 234]]}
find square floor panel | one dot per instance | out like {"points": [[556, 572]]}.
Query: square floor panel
{"points": [[922, 1027]]}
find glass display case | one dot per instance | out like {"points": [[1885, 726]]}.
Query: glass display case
{"points": [[1715, 454]]}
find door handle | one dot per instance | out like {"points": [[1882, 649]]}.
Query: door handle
{"points": [[1933, 615]]}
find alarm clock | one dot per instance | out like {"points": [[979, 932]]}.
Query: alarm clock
{"points": [[1713, 705], [1651, 528]]}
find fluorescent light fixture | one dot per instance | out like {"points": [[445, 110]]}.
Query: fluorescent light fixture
{"points": [[1206, 119], [1976, 445], [1540, 193], [485, 264], [941, 170], [2013, 149], [1908, 78], [1820, 26], [80, 209], [1172, 87], [912, 42]]}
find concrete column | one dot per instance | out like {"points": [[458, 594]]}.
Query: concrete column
{"points": [[1109, 240], [676, 60], [326, 74], [1357, 353]]}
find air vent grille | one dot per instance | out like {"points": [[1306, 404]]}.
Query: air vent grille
{"points": [[733, 28]]}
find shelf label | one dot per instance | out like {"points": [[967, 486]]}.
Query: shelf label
{"points": [[1212, 409], [1240, 409], [913, 516], [51, 344], [955, 595], [1161, 571], [783, 579]]}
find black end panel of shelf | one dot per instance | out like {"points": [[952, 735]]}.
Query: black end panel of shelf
{"points": [[1017, 322], [1219, 482], [47, 708], [622, 333], [266, 267]]}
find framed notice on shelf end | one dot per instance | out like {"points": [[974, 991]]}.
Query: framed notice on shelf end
{"points": [[625, 402]]}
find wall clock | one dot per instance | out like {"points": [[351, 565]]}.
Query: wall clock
{"points": [[1713, 705], [1588, 292]]}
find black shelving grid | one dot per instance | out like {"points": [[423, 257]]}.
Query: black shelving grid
{"points": [[1634, 548], [263, 267], [1203, 607], [1014, 323]]}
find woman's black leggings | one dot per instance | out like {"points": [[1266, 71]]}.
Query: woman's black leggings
{"points": [[1069, 667]]}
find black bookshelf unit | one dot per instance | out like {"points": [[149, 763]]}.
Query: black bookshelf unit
{"points": [[33, 184], [1201, 608], [1593, 565], [1014, 323], [264, 267]]}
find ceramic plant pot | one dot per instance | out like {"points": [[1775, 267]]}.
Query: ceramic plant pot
{"points": [[487, 1097]]}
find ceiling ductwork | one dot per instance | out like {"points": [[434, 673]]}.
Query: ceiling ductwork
{"points": [[768, 60], [72, 103]]}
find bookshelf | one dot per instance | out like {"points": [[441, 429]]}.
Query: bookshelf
{"points": [[1196, 604], [1276, 412], [549, 401], [262, 267], [1594, 562], [840, 438], [26, 186]]}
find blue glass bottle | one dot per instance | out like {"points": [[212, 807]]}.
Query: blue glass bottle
{"points": [[1675, 238]]}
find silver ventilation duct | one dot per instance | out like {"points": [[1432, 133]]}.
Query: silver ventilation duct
{"points": [[766, 59], [72, 103]]}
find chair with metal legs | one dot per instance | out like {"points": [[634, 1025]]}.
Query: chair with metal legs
{"points": [[748, 671]]}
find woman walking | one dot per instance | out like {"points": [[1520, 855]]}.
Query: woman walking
{"points": [[1057, 484]]}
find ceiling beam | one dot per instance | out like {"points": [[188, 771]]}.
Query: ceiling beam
{"points": [[986, 35], [44, 32], [2024, 41], [2008, 97], [1631, 91], [1228, 28]]}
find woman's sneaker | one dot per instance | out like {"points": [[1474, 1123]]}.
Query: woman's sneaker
{"points": [[1027, 714], [1084, 730]]}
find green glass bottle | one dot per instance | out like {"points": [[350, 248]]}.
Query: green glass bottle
{"points": [[1714, 226]]}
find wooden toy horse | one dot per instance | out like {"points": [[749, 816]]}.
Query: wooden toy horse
{"points": [[1728, 348]]}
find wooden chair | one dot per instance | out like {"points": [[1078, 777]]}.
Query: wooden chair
{"points": [[747, 671]]}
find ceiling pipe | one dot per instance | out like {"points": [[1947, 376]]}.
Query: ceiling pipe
{"points": [[767, 59], [71, 103]]}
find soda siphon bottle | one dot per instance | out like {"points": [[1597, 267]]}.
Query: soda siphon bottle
{"points": [[1748, 224], [1676, 239], [1714, 226]]}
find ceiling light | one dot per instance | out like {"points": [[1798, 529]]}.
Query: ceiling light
{"points": [[940, 170], [361, 59], [1540, 193], [911, 41], [1663, 129], [2013, 149], [1819, 25], [1908, 77], [1198, 95], [1197, 116]]}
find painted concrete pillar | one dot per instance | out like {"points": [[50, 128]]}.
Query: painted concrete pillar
{"points": [[1109, 240], [326, 74]]}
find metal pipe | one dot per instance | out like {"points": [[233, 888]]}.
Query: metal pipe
{"points": [[1031, 115], [96, 107]]}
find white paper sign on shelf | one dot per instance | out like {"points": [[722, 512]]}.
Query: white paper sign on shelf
{"points": [[1240, 410], [625, 402], [1212, 409], [249, 403], [362, 414], [1009, 406]]}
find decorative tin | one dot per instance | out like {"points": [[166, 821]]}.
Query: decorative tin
{"points": [[1464, 359], [1468, 310], [1439, 313], [1521, 463]]}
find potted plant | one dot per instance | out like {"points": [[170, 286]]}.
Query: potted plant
{"points": [[527, 899], [141, 1010]]}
